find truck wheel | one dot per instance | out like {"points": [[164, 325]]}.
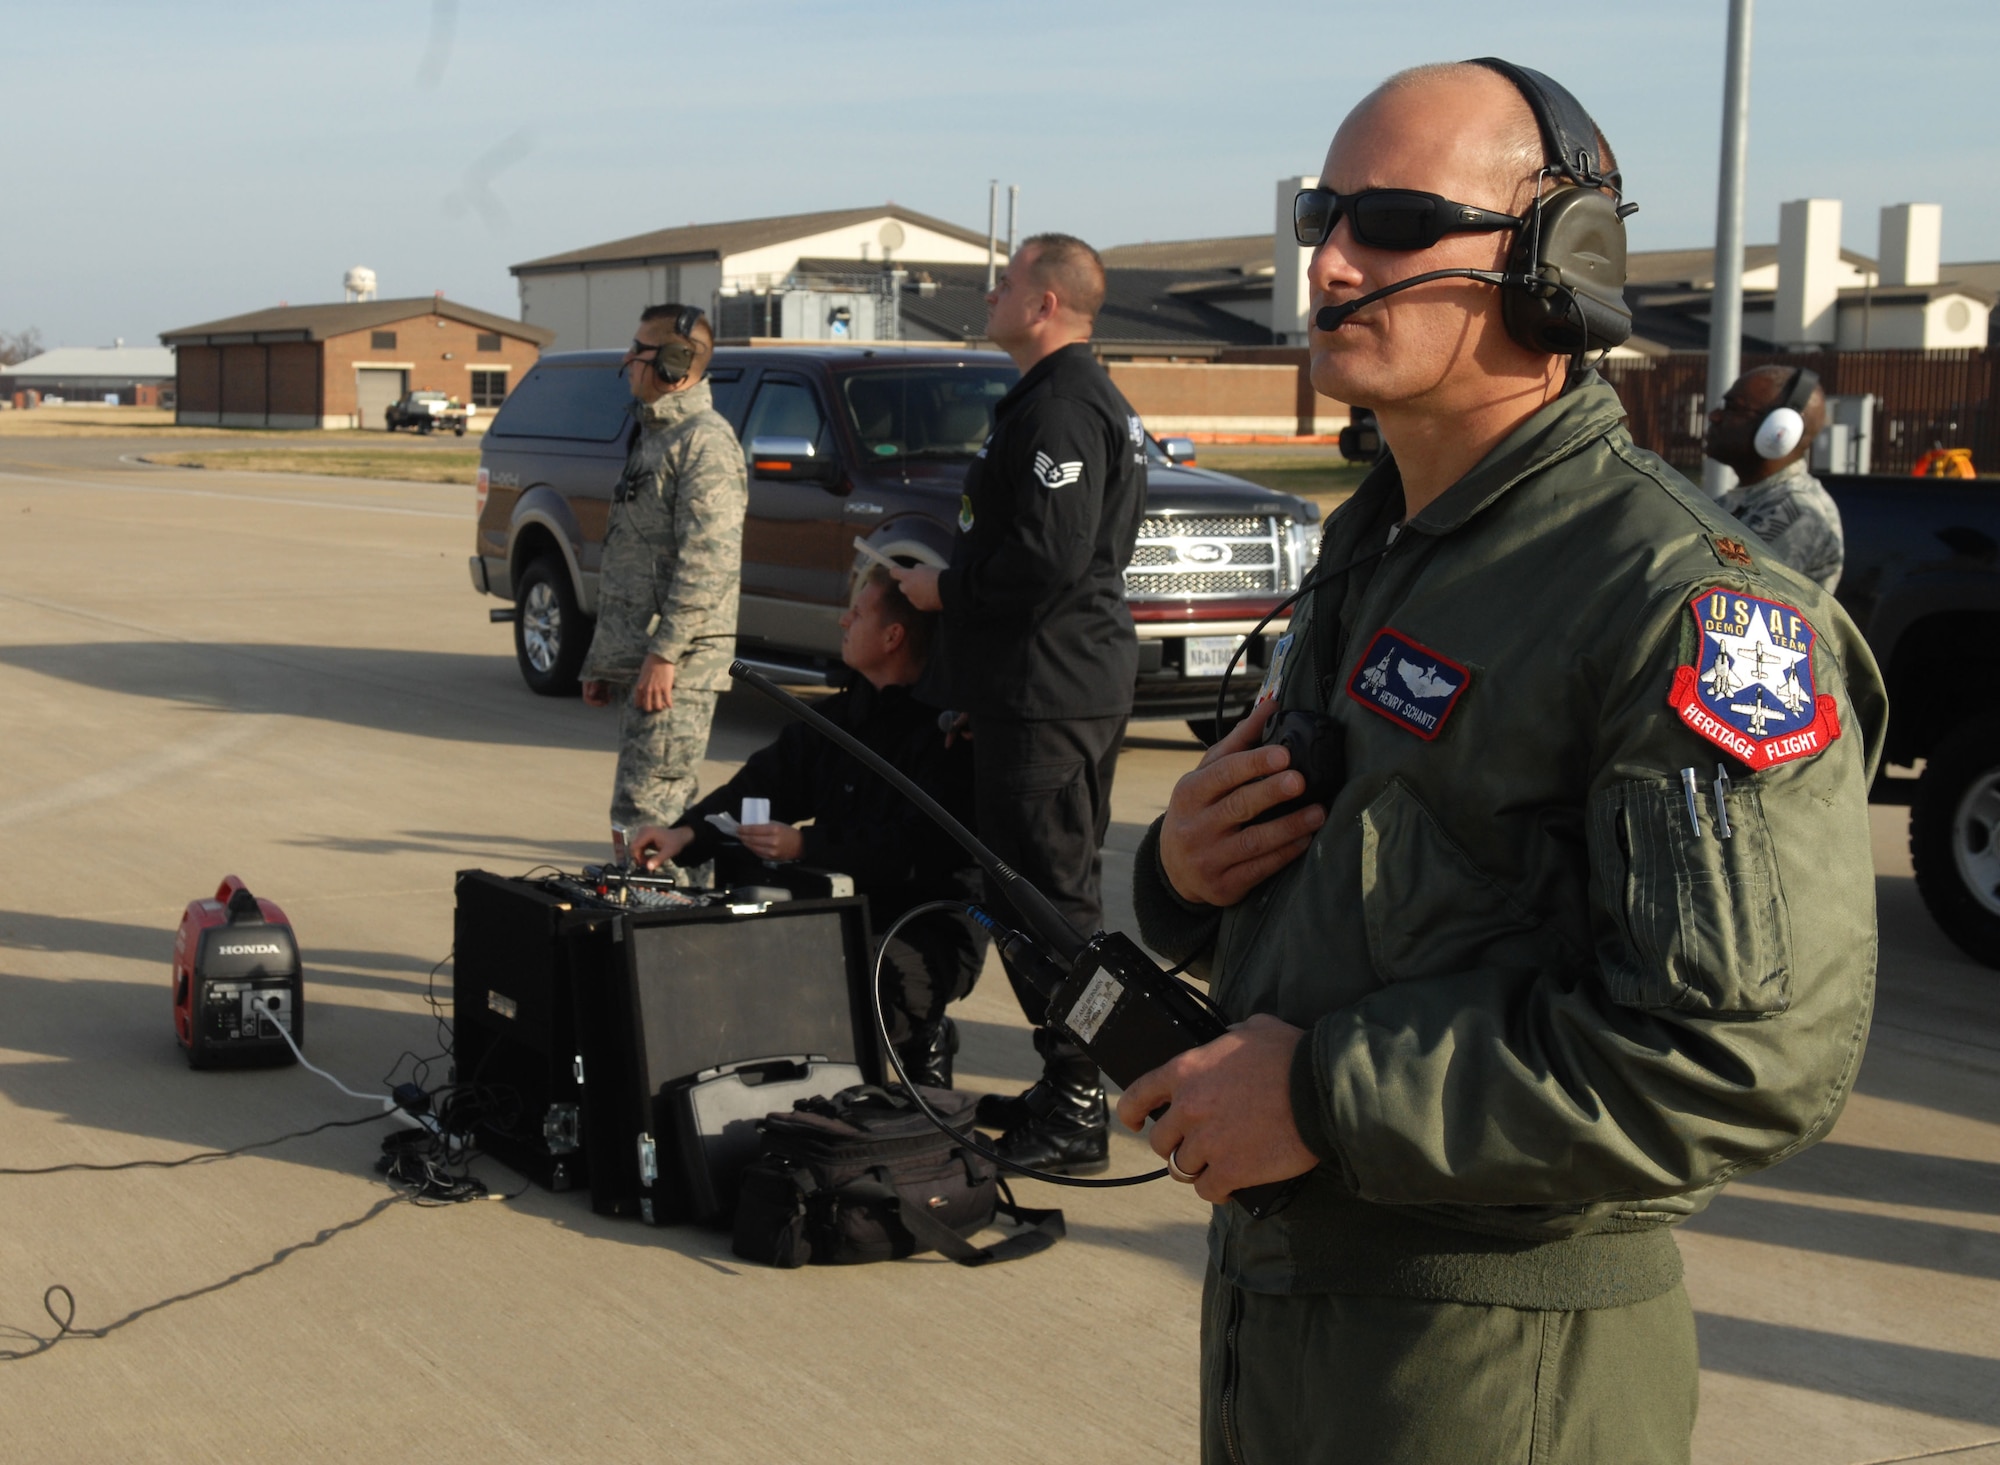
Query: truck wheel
{"points": [[458, 431], [551, 634], [1955, 837]]}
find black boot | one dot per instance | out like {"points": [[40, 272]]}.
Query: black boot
{"points": [[928, 1052], [1061, 1124]]}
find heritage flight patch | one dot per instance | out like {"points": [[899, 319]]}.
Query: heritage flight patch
{"points": [[1409, 684], [1751, 690]]}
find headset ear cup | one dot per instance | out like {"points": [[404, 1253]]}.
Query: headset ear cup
{"points": [[1779, 433], [1576, 302]]}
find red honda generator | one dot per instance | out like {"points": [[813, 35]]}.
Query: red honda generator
{"points": [[237, 980]]}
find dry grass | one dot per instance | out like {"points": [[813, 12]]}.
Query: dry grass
{"points": [[442, 465], [1317, 473]]}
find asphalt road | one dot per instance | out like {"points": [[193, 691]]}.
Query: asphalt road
{"points": [[290, 679]]}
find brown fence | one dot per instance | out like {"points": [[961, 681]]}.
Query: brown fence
{"points": [[1923, 399]]}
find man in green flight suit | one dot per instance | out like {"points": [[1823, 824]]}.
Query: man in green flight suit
{"points": [[1588, 927], [673, 564]]}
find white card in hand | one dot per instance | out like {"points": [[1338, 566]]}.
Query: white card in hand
{"points": [[756, 811], [727, 825]]}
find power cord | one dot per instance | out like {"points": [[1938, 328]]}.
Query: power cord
{"points": [[965, 1138]]}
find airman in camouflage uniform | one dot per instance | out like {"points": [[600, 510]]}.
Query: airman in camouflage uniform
{"points": [[672, 567], [1778, 499]]}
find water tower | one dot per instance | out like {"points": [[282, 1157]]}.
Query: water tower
{"points": [[360, 284]]}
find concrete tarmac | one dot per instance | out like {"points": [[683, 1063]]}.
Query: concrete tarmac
{"points": [[290, 679]]}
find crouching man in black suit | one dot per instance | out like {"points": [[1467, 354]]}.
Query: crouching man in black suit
{"points": [[854, 822]]}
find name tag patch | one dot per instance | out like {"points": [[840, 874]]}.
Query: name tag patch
{"points": [[1751, 689], [1408, 683]]}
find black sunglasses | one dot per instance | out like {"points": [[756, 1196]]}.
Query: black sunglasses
{"points": [[1391, 218]]}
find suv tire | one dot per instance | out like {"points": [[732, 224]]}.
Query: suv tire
{"points": [[551, 634], [1955, 837]]}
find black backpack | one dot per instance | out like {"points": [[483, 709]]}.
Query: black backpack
{"points": [[863, 1176]]}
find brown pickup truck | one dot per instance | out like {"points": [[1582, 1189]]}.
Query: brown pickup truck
{"points": [[845, 442]]}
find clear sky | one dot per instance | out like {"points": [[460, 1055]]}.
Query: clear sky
{"points": [[165, 164]]}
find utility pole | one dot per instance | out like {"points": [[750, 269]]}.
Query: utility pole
{"points": [[1013, 209], [1725, 313], [992, 221]]}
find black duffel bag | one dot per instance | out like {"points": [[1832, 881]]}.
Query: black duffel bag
{"points": [[863, 1176]]}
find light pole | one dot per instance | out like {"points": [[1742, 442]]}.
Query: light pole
{"points": [[1725, 312]]}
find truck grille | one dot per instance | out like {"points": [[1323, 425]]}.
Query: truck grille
{"points": [[1182, 555]]}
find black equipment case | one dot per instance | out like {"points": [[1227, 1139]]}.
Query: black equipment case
{"points": [[514, 1027], [694, 1024]]}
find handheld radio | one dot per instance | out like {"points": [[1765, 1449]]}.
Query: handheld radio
{"points": [[1104, 993]]}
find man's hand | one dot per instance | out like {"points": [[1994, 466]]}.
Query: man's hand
{"points": [[654, 691], [920, 586], [597, 694], [653, 846], [959, 727], [1230, 1122], [772, 841], [1209, 849]]}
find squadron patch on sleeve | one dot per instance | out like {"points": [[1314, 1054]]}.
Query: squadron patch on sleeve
{"points": [[1751, 689], [1409, 684]]}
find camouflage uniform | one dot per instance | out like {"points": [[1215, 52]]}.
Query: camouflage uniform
{"points": [[1797, 518], [673, 563]]}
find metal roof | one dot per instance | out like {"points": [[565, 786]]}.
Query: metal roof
{"points": [[338, 318], [712, 241], [1141, 307], [119, 363], [1246, 254]]}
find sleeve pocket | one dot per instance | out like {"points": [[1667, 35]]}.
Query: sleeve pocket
{"points": [[1691, 922]]}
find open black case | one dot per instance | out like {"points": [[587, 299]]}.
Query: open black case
{"points": [[693, 1024]]}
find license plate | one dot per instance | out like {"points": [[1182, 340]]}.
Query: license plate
{"points": [[1208, 656]]}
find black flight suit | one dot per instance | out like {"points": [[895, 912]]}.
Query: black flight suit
{"points": [[1038, 642]]}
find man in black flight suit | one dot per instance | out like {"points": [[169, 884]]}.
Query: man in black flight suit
{"points": [[863, 827], [1038, 642]]}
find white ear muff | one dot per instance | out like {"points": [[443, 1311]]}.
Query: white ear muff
{"points": [[1778, 433]]}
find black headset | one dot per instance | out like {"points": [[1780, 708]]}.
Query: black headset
{"points": [[673, 361], [1567, 295], [1565, 278]]}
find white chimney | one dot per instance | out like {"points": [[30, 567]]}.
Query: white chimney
{"points": [[1912, 237], [1808, 272], [1291, 294]]}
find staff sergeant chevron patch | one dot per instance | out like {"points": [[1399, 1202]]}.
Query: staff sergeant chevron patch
{"points": [[1052, 474]]}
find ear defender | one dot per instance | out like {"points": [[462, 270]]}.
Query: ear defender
{"points": [[1784, 426], [1571, 259], [1566, 294]]}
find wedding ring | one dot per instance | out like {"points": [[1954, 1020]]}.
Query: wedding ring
{"points": [[1174, 1168]]}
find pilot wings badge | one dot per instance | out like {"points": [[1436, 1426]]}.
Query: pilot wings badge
{"points": [[1051, 474], [1751, 690], [1409, 684]]}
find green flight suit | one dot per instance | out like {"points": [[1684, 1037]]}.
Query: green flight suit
{"points": [[1547, 1019]]}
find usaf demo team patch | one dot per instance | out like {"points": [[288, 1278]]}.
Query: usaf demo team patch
{"points": [[1411, 685], [1750, 691]]}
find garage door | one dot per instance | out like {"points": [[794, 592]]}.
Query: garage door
{"points": [[378, 388]]}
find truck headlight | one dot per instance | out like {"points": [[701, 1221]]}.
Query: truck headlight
{"points": [[1301, 547]]}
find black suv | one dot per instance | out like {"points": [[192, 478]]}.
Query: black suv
{"points": [[844, 442]]}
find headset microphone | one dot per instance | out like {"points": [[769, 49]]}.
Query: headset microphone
{"points": [[1333, 317]]}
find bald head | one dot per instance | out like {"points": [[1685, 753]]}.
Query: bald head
{"points": [[1507, 140]]}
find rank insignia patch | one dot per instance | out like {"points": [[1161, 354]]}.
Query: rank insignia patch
{"points": [[1735, 551], [1411, 685], [1751, 690]]}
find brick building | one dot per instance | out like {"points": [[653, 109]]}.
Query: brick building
{"points": [[310, 366]]}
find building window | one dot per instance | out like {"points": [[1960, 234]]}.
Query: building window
{"points": [[489, 341], [381, 340], [489, 388]]}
